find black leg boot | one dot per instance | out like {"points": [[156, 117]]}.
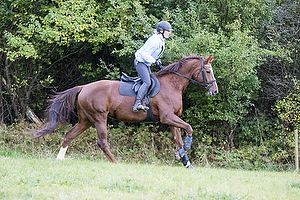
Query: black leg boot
{"points": [[139, 97]]}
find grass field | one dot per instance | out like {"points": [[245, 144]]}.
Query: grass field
{"points": [[24, 177]]}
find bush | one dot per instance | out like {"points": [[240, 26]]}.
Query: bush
{"points": [[147, 143], [144, 143]]}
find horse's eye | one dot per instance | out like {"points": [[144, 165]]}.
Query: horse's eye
{"points": [[208, 72]]}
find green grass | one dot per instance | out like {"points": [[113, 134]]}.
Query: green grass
{"points": [[27, 177]]}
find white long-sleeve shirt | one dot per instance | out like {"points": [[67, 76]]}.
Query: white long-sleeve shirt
{"points": [[151, 50]]}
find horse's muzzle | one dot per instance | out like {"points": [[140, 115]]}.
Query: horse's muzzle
{"points": [[212, 92]]}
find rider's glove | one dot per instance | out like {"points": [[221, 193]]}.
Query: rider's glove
{"points": [[158, 63]]}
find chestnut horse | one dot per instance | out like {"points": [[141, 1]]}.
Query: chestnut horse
{"points": [[99, 100]]}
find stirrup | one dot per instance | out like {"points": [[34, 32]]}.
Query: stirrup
{"points": [[137, 107], [145, 108]]}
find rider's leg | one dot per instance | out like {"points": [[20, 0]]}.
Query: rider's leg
{"points": [[144, 72], [140, 95]]}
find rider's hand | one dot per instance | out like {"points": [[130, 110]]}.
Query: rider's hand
{"points": [[158, 63]]}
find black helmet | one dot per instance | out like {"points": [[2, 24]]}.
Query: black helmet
{"points": [[164, 25]]}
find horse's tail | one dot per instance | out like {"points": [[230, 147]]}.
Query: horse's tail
{"points": [[62, 105]]}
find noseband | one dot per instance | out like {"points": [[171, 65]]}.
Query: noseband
{"points": [[205, 84]]}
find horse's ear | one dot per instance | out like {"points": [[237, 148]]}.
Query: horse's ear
{"points": [[210, 59]]}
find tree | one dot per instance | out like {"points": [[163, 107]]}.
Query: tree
{"points": [[288, 109], [42, 40], [203, 30], [236, 58], [280, 35]]}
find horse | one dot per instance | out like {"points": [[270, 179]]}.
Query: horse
{"points": [[99, 100]]}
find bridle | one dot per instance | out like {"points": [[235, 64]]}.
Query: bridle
{"points": [[205, 84]]}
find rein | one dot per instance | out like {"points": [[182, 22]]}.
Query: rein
{"points": [[205, 84]]}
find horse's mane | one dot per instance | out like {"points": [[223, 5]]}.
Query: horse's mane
{"points": [[176, 66]]}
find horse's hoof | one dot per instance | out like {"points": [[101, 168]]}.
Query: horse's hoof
{"points": [[190, 167]]}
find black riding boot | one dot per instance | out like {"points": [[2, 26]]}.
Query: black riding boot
{"points": [[139, 97]]}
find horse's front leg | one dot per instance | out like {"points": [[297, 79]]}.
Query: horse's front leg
{"points": [[178, 140], [182, 146], [177, 136]]}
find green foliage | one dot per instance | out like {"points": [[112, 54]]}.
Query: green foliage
{"points": [[187, 16], [59, 44], [47, 39], [122, 24], [73, 22], [147, 144], [128, 143], [18, 47], [37, 35], [288, 109], [235, 71], [279, 34]]}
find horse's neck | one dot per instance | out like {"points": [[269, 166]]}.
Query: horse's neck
{"points": [[177, 82], [182, 80]]}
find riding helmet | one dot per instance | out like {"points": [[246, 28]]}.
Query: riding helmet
{"points": [[164, 25]]}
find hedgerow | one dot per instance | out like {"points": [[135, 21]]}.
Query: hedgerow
{"points": [[145, 143]]}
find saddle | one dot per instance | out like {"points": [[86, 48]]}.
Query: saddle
{"points": [[129, 86]]}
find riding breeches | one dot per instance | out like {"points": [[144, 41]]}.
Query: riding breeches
{"points": [[144, 73]]}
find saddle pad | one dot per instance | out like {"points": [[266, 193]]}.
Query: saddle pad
{"points": [[128, 88]]}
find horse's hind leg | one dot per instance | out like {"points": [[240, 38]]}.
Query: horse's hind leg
{"points": [[70, 135], [102, 140]]}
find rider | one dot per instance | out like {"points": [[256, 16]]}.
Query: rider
{"points": [[149, 53]]}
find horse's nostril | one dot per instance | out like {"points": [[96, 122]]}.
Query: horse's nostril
{"points": [[216, 92]]}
